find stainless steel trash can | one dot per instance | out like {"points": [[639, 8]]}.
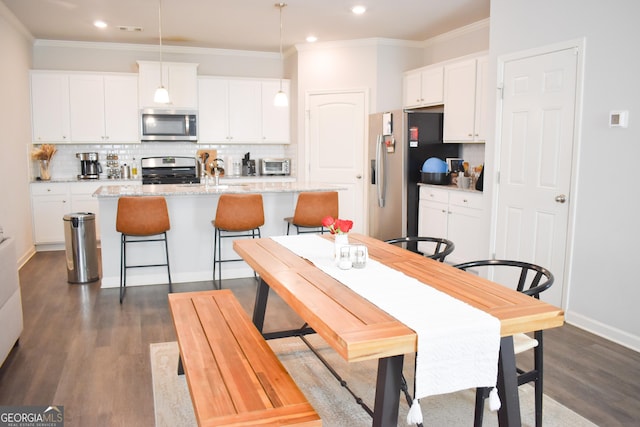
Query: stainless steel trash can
{"points": [[81, 247]]}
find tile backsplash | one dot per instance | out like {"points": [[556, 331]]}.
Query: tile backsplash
{"points": [[65, 165]]}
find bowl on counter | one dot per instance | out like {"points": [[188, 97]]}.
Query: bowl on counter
{"points": [[436, 178]]}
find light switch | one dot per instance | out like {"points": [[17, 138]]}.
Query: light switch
{"points": [[619, 119]]}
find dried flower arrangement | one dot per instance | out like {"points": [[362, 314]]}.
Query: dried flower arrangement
{"points": [[44, 152]]}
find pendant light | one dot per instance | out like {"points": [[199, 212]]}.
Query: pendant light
{"points": [[162, 94], [281, 99]]}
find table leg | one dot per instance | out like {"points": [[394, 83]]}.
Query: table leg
{"points": [[385, 411], [509, 413], [260, 306]]}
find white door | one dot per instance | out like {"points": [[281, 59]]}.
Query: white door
{"points": [[535, 158], [336, 148]]}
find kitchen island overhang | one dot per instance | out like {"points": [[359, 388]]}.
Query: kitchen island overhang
{"points": [[192, 207]]}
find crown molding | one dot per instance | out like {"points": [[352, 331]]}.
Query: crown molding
{"points": [[374, 41], [458, 32], [133, 47]]}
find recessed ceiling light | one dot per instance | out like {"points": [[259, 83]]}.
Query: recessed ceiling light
{"points": [[312, 39], [358, 10], [100, 24]]}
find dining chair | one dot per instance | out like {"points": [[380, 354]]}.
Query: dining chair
{"points": [[311, 208], [141, 219], [237, 215], [432, 247], [530, 279]]}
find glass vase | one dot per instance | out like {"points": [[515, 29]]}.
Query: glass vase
{"points": [[340, 240], [45, 172]]}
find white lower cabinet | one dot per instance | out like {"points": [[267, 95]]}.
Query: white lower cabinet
{"points": [[454, 215], [50, 202]]}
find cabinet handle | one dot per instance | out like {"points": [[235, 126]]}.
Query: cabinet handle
{"points": [[470, 134]]}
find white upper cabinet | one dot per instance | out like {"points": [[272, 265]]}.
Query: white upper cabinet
{"points": [[213, 111], [241, 111], [465, 96], [50, 107], [424, 87], [245, 111], [179, 78], [103, 108], [275, 120], [78, 107]]}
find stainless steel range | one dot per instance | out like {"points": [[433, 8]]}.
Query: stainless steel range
{"points": [[169, 170]]}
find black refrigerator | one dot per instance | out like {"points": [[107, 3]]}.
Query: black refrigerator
{"points": [[399, 143]]}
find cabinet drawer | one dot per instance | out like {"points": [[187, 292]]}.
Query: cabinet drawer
{"points": [[465, 199], [48, 189], [434, 194]]}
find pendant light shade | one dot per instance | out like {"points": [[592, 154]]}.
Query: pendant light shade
{"points": [[281, 99], [161, 95]]}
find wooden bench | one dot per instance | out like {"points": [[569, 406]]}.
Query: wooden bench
{"points": [[234, 377]]}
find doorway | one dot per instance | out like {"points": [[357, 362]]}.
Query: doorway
{"points": [[535, 157], [336, 144]]}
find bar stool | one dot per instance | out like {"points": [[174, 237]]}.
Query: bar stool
{"points": [[311, 208], [237, 215], [141, 219]]}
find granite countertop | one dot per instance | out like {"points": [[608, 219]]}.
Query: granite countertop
{"points": [[114, 191], [97, 181], [133, 181], [452, 187]]}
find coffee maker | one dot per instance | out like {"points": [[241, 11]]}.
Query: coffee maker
{"points": [[89, 166]]}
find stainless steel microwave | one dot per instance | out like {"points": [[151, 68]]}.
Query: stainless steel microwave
{"points": [[168, 125]]}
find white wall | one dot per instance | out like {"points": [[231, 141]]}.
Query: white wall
{"points": [[604, 288], [113, 57], [15, 138], [374, 65]]}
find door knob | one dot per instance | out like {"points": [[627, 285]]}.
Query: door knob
{"points": [[358, 176], [561, 198]]}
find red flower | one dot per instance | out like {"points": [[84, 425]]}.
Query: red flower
{"points": [[337, 226]]}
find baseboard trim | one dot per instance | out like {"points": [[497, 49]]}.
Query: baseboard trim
{"points": [[605, 331]]}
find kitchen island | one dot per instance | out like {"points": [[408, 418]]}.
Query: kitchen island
{"points": [[191, 209]]}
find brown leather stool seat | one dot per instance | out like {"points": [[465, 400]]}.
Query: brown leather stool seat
{"points": [[311, 208], [141, 219], [237, 215]]}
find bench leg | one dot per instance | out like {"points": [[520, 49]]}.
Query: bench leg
{"points": [[388, 391], [509, 412], [180, 367], [260, 306]]}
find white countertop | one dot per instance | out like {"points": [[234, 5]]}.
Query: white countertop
{"points": [[109, 191], [451, 187]]}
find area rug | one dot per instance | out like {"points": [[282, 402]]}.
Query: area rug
{"points": [[334, 404]]}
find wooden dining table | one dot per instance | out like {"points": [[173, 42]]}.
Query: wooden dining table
{"points": [[358, 330]]}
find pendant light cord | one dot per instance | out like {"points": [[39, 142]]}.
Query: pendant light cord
{"points": [[160, 35], [281, 5]]}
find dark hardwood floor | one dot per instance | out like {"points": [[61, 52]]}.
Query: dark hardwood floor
{"points": [[80, 348]]}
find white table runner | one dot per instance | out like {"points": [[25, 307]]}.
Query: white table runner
{"points": [[458, 345]]}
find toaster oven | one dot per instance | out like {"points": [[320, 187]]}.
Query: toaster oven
{"points": [[275, 166]]}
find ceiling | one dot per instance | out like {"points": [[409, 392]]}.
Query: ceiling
{"points": [[243, 24]]}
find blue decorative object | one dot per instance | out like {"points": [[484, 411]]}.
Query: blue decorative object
{"points": [[434, 165]]}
